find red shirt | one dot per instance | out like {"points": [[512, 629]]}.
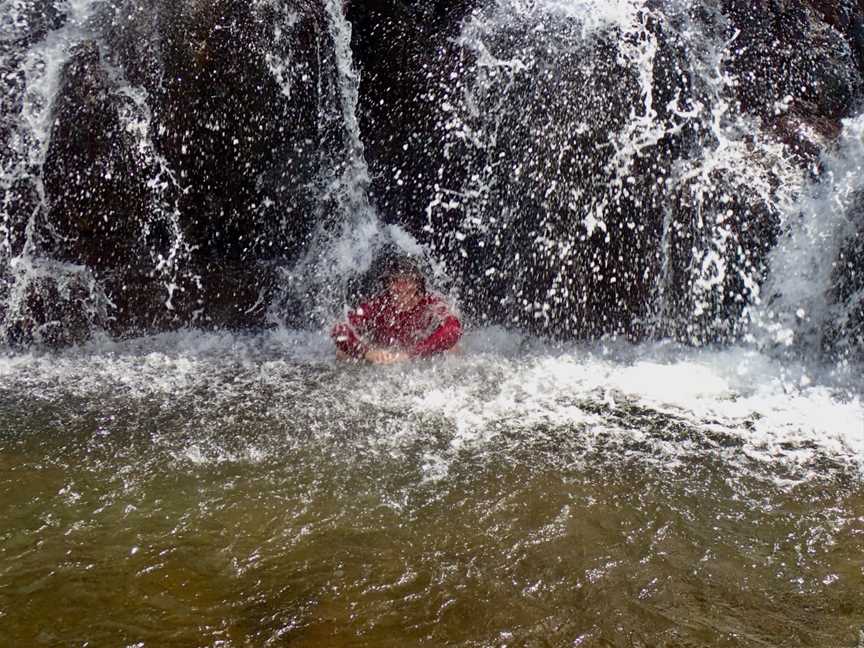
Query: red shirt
{"points": [[424, 330]]}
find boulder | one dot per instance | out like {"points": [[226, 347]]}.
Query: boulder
{"points": [[401, 50], [94, 187], [797, 66], [244, 146]]}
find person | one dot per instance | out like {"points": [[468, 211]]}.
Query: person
{"points": [[402, 322]]}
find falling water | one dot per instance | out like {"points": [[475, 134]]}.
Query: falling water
{"points": [[242, 488], [641, 200], [163, 186], [798, 310], [349, 232], [34, 67], [31, 80]]}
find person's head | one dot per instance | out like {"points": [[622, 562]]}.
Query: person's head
{"points": [[404, 282]]}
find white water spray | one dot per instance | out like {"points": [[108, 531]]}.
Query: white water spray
{"points": [[798, 307], [162, 184], [349, 234], [39, 73], [37, 76], [528, 54]]}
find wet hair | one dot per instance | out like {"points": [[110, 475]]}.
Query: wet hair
{"points": [[401, 265]]}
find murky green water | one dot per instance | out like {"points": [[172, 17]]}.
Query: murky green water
{"points": [[231, 510]]}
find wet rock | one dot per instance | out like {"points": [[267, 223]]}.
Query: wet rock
{"points": [[186, 150], [51, 305], [787, 57], [132, 34], [210, 294], [401, 49], [807, 136], [22, 23], [244, 147], [845, 335], [521, 249], [553, 202], [847, 17], [94, 187], [547, 223]]}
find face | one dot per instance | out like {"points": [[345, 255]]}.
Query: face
{"points": [[404, 292]]}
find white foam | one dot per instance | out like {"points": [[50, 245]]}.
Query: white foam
{"points": [[593, 15], [501, 384]]}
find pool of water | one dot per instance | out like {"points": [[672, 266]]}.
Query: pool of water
{"points": [[215, 490]]}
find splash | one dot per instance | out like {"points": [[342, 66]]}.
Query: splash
{"points": [[349, 234], [31, 82], [660, 405], [799, 310], [612, 177], [38, 282]]}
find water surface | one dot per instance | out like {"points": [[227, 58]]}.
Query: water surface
{"points": [[217, 490]]}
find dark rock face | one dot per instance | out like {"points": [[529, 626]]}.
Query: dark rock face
{"points": [[787, 50], [401, 50], [21, 25], [183, 160], [242, 150], [798, 66], [232, 296], [54, 311], [847, 17], [97, 196], [26, 22], [519, 213], [533, 239]]}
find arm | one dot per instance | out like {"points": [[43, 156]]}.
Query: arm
{"points": [[345, 336], [442, 338]]}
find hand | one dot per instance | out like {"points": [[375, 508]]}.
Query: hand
{"points": [[383, 356]]}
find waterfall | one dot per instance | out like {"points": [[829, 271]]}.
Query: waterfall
{"points": [[586, 168], [349, 233], [800, 309], [39, 283], [650, 218], [612, 176], [31, 81], [164, 188]]}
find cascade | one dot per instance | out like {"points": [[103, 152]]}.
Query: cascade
{"points": [[58, 80], [649, 214], [812, 299], [31, 76], [349, 233], [147, 185], [609, 172], [579, 169]]}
